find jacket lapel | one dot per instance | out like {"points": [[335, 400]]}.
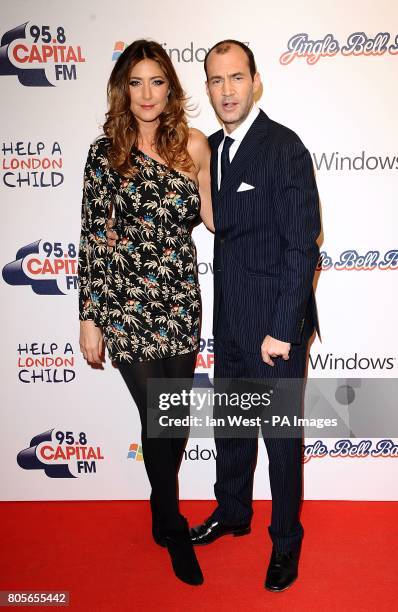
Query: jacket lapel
{"points": [[214, 144], [247, 150]]}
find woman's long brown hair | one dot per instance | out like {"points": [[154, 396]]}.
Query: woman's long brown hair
{"points": [[121, 126]]}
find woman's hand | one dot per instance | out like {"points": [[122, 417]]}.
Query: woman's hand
{"points": [[91, 342], [111, 235]]}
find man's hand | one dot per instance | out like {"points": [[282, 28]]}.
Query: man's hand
{"points": [[111, 235], [274, 348], [91, 342]]}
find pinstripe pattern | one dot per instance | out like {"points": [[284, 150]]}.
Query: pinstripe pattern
{"points": [[265, 250], [265, 256]]}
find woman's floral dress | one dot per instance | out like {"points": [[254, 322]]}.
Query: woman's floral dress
{"points": [[144, 293]]}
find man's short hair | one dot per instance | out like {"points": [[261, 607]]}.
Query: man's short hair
{"points": [[224, 46]]}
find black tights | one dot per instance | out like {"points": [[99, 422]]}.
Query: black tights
{"points": [[162, 456]]}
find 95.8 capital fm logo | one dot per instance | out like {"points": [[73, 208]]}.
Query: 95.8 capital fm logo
{"points": [[61, 454], [50, 268], [204, 366], [39, 55]]}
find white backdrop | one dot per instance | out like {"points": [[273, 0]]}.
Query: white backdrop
{"points": [[341, 102]]}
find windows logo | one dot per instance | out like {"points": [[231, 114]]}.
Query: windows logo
{"points": [[118, 50], [135, 452]]}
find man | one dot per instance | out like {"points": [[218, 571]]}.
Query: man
{"points": [[266, 217]]}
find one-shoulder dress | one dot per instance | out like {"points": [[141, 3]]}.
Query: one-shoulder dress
{"points": [[144, 293]]}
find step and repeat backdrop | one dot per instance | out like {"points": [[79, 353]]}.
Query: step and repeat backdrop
{"points": [[329, 72]]}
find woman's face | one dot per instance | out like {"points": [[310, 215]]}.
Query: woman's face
{"points": [[149, 89]]}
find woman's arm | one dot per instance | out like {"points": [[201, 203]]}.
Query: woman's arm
{"points": [[92, 252], [199, 150]]}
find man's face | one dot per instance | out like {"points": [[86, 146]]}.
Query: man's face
{"points": [[230, 86]]}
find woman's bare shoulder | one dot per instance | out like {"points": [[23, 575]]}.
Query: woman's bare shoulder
{"points": [[197, 143], [197, 136]]}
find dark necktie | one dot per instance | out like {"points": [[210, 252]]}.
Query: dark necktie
{"points": [[225, 163]]}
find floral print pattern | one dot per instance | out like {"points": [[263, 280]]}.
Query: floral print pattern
{"points": [[143, 293]]}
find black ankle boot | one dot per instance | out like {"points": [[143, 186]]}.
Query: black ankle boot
{"points": [[157, 536], [183, 558]]}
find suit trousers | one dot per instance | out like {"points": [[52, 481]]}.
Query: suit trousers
{"points": [[236, 457]]}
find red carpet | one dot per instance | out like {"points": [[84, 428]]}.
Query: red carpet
{"points": [[103, 554]]}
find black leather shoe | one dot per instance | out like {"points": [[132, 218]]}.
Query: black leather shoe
{"points": [[211, 530], [282, 570], [159, 539], [183, 558]]}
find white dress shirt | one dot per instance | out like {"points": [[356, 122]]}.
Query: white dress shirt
{"points": [[238, 135]]}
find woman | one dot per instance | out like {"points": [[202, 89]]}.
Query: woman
{"points": [[143, 297]]}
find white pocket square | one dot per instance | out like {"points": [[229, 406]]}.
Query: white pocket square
{"points": [[245, 187]]}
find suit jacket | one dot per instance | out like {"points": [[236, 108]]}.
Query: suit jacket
{"points": [[265, 250]]}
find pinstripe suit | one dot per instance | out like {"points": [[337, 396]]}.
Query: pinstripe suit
{"points": [[265, 255]]}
